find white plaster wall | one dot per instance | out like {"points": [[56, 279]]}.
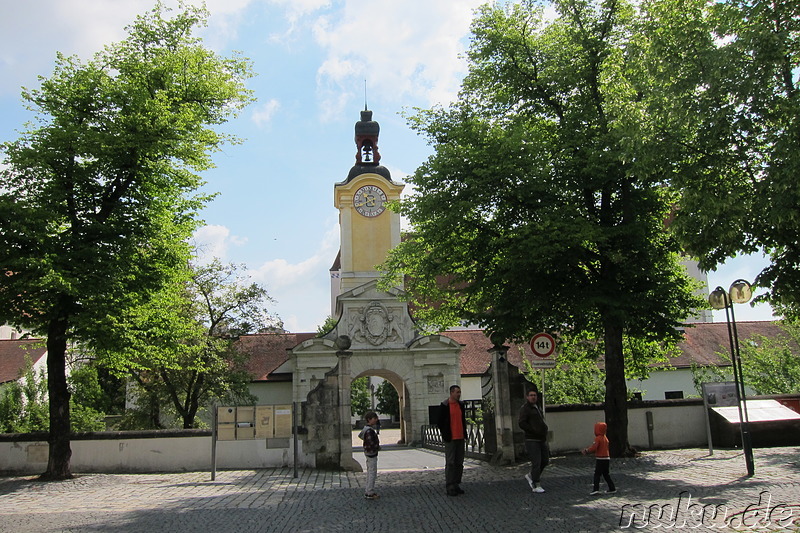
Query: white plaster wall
{"points": [[673, 427], [680, 426], [661, 381], [152, 455], [272, 393]]}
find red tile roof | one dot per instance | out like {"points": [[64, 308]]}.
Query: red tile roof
{"points": [[268, 351], [702, 342], [475, 356], [13, 354]]}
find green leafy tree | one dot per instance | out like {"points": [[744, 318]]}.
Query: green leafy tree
{"points": [[95, 387], [388, 400], [181, 348], [23, 404], [771, 365], [328, 325], [86, 419], [579, 376], [359, 396], [98, 197], [535, 211], [708, 374], [728, 128], [24, 407]]}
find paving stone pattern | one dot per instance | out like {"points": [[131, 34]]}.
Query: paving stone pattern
{"points": [[658, 491]]}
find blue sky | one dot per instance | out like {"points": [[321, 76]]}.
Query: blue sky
{"points": [[274, 212]]}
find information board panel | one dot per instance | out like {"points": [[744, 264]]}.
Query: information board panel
{"points": [[265, 422], [245, 423], [283, 421], [254, 422], [226, 423]]}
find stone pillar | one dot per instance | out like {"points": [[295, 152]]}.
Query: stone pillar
{"points": [[504, 417], [346, 461]]}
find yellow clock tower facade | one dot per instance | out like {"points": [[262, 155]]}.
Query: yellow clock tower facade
{"points": [[368, 230]]}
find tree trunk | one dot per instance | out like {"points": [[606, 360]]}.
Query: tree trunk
{"points": [[60, 452], [616, 406], [154, 410], [191, 412]]}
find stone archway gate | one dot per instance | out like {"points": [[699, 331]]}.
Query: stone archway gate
{"points": [[376, 336]]}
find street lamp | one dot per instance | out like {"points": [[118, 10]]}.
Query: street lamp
{"points": [[740, 292]]}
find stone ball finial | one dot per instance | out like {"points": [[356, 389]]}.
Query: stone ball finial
{"points": [[342, 342]]}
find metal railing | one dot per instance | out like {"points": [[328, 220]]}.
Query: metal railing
{"points": [[475, 442]]}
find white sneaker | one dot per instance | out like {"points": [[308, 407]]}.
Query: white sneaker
{"points": [[529, 479], [538, 489], [594, 492]]}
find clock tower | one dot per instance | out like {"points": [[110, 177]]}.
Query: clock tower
{"points": [[374, 334], [368, 230]]}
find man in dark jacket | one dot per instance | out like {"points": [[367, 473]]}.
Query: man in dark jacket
{"points": [[532, 423], [452, 423]]}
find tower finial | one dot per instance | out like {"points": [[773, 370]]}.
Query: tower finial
{"points": [[367, 131], [365, 95]]}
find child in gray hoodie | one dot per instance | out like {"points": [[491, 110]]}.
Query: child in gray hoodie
{"points": [[372, 446]]}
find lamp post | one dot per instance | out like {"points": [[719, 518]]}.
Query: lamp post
{"points": [[740, 292]]}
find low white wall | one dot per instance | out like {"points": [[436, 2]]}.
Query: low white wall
{"points": [[162, 454], [674, 426]]}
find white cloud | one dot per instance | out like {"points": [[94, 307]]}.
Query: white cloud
{"points": [[280, 274], [263, 114], [32, 32], [297, 8], [337, 69], [214, 241], [403, 48], [301, 289]]}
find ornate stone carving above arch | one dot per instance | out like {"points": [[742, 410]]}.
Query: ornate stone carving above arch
{"points": [[375, 324]]}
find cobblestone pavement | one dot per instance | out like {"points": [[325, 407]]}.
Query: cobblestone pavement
{"points": [[661, 490]]}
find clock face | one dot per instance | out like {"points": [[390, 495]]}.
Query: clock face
{"points": [[370, 201]]}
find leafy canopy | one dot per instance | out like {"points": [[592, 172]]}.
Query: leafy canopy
{"points": [[360, 396], [728, 128]]}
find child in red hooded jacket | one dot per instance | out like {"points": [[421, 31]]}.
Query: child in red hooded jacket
{"points": [[602, 458]]}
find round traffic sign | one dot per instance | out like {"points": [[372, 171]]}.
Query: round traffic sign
{"points": [[543, 345]]}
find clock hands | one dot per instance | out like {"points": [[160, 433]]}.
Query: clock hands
{"points": [[369, 201]]}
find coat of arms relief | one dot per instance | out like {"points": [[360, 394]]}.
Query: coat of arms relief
{"points": [[374, 324]]}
